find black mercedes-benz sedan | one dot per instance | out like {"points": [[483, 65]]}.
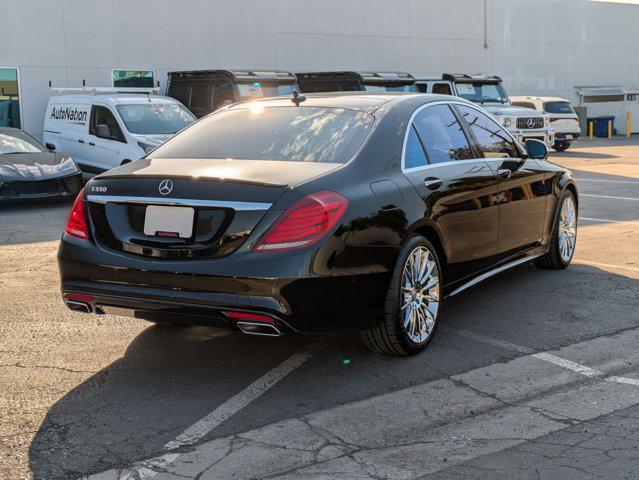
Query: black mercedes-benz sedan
{"points": [[29, 171], [318, 214]]}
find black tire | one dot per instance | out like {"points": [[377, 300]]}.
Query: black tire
{"points": [[553, 259], [390, 337], [561, 146]]}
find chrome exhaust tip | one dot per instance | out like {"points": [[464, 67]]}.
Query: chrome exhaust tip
{"points": [[79, 306], [259, 328]]}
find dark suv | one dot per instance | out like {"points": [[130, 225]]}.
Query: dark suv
{"points": [[204, 91], [314, 82]]}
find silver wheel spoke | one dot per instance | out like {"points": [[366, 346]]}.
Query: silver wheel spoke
{"points": [[567, 229]]}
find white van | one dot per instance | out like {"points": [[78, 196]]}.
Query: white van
{"points": [[102, 128]]}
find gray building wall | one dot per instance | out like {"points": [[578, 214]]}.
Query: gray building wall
{"points": [[537, 46]]}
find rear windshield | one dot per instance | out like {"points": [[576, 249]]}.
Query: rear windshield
{"points": [[558, 107], [296, 134], [259, 89], [391, 88]]}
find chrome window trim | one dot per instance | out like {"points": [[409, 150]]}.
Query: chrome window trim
{"points": [[452, 162], [182, 202]]}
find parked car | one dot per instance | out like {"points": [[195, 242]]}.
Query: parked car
{"points": [[29, 171], [204, 91], [331, 213], [314, 82], [488, 91], [562, 118], [102, 128]]}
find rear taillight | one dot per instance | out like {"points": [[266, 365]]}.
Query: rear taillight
{"points": [[77, 224], [303, 223]]}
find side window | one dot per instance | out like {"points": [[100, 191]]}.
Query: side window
{"points": [[223, 96], [180, 92], [200, 99], [442, 88], [103, 116], [442, 135], [492, 140], [414, 155]]}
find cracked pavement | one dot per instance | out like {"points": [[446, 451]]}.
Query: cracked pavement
{"points": [[94, 396]]}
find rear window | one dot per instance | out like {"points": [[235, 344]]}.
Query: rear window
{"points": [[558, 107], [297, 134]]}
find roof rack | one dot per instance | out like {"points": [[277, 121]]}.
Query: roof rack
{"points": [[477, 77], [370, 77], [105, 90], [236, 75]]}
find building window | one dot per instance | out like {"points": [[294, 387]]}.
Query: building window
{"points": [[602, 98], [133, 78], [9, 98]]}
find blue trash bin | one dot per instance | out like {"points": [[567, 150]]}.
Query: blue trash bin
{"points": [[601, 126]]}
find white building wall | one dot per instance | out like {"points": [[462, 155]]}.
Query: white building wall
{"points": [[537, 46]]}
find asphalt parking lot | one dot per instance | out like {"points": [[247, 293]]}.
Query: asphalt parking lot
{"points": [[533, 374]]}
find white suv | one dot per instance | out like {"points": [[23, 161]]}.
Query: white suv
{"points": [[487, 90], [563, 119]]}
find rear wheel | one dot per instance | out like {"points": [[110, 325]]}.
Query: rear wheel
{"points": [[561, 146], [564, 237], [412, 302]]}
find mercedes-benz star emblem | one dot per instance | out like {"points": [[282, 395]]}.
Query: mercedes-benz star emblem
{"points": [[531, 122], [165, 187]]}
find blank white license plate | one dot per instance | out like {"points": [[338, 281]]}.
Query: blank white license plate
{"points": [[568, 137], [176, 222]]}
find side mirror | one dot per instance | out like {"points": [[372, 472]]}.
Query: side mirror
{"points": [[536, 149], [50, 147], [102, 131]]}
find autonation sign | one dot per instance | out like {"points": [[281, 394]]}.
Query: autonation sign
{"points": [[73, 114]]}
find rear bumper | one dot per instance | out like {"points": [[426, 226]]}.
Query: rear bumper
{"points": [[561, 136], [198, 292], [62, 187]]}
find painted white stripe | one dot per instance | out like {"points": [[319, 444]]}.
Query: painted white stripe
{"points": [[495, 342], [562, 362], [609, 196], [608, 221], [607, 181], [605, 265], [199, 429], [547, 357], [242, 399]]}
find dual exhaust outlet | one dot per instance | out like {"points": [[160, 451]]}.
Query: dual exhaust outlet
{"points": [[248, 323]]}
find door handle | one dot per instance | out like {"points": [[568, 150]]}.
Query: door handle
{"points": [[504, 172], [92, 144], [81, 141], [432, 183]]}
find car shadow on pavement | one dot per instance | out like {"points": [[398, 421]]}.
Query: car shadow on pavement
{"points": [[32, 222], [169, 378]]}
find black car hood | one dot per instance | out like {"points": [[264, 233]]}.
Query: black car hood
{"points": [[262, 172], [34, 166]]}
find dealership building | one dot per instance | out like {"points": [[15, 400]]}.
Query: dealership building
{"points": [[540, 47]]}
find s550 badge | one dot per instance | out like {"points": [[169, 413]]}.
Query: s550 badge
{"points": [[99, 189]]}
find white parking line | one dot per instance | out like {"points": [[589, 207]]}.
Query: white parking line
{"points": [[603, 220], [605, 265], [548, 357], [229, 408], [609, 196], [607, 181]]}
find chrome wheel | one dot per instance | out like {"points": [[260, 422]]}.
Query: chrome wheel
{"points": [[567, 229], [419, 295]]}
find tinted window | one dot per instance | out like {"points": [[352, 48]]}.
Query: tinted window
{"points": [[17, 141], [200, 96], [264, 89], [492, 140], [442, 134], [415, 156], [525, 105], [103, 116], [390, 88], [180, 92], [9, 98], [133, 78], [558, 107], [441, 88], [155, 118], [298, 134], [311, 86]]}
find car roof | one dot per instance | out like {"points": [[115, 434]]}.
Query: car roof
{"points": [[112, 98], [364, 101], [541, 99]]}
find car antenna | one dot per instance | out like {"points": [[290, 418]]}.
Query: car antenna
{"points": [[297, 98]]}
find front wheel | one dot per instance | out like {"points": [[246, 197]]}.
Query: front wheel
{"points": [[412, 302], [564, 237]]}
